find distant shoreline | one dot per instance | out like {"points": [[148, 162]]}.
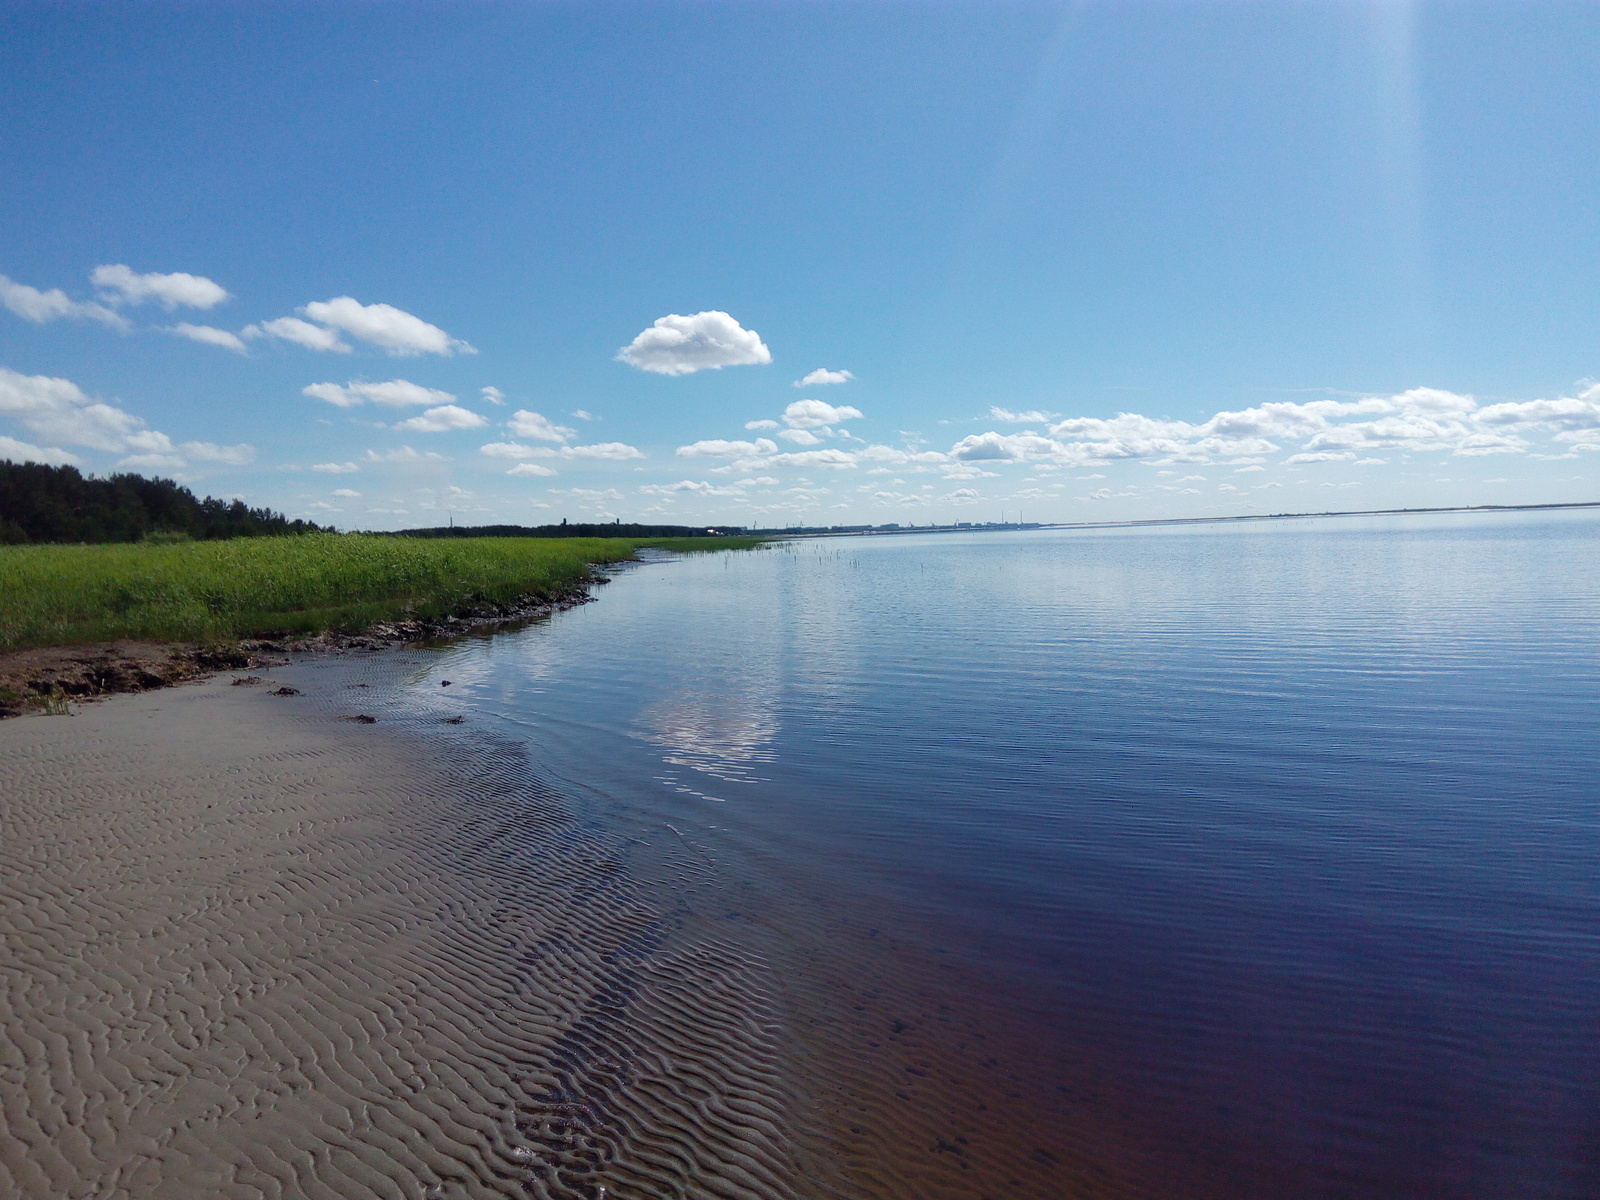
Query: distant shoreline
{"points": [[1015, 526]]}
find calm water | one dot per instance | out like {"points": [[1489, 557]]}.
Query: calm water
{"points": [[1244, 861]]}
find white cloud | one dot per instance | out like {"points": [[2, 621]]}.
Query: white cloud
{"points": [[720, 448], [395, 392], [155, 452], [536, 425], [395, 330], [762, 424], [815, 414], [800, 437], [11, 448], [40, 307], [584, 414], [336, 468], [758, 481], [58, 409], [608, 450], [444, 419], [1568, 415], [1005, 447], [1422, 419], [822, 377], [345, 492], [120, 284], [302, 333], [529, 468], [834, 459], [515, 450], [234, 456], [493, 395], [968, 471], [405, 454], [1316, 456], [679, 345], [1037, 416], [210, 336], [699, 488]]}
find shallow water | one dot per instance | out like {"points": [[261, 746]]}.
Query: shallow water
{"points": [[1233, 861]]}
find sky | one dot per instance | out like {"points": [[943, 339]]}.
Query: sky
{"points": [[385, 265]]}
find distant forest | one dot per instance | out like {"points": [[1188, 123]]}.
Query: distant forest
{"points": [[58, 504], [613, 530]]}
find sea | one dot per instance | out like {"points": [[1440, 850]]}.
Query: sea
{"points": [[1235, 860]]}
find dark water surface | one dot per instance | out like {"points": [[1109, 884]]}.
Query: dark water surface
{"points": [[1223, 861]]}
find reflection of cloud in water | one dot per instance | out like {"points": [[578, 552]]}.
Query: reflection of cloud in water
{"points": [[726, 738]]}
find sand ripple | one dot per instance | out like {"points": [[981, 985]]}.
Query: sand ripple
{"points": [[252, 951]]}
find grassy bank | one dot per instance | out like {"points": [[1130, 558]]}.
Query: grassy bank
{"points": [[252, 587]]}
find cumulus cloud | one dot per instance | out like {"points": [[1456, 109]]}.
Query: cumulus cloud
{"points": [[529, 468], [536, 425], [515, 450], [336, 468], [1422, 419], [493, 395], [696, 487], [1004, 447], [1033, 416], [396, 330], [404, 455], [383, 325], [210, 336], [832, 459], [31, 304], [22, 452], [679, 345], [397, 393], [58, 409], [721, 448], [1316, 456], [583, 414], [234, 456], [762, 454], [1332, 430], [120, 284], [822, 377], [816, 414], [609, 450], [443, 419], [302, 333]]}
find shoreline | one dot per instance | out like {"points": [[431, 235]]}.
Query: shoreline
{"points": [[35, 679], [284, 953]]}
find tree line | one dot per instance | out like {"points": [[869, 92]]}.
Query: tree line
{"points": [[615, 529], [40, 503]]}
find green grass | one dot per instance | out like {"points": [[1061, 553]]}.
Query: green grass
{"points": [[269, 586]]}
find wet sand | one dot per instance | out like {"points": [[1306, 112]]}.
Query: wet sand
{"points": [[251, 949]]}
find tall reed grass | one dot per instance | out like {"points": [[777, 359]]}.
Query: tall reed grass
{"points": [[251, 587]]}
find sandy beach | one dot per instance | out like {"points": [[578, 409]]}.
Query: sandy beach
{"points": [[253, 948]]}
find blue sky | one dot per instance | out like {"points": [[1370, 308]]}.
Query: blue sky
{"points": [[1085, 261]]}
